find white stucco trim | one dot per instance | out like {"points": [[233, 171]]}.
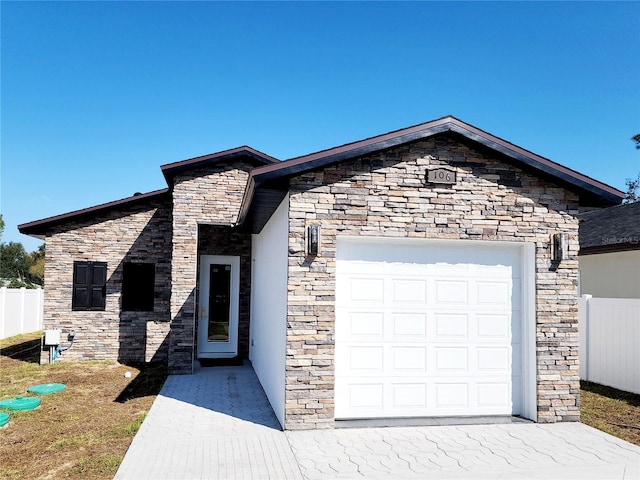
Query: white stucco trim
{"points": [[268, 331], [529, 366]]}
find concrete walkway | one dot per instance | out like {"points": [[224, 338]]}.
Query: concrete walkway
{"points": [[217, 424]]}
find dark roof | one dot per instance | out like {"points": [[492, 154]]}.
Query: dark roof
{"points": [[39, 228], [598, 193], [172, 169], [612, 229], [268, 182]]}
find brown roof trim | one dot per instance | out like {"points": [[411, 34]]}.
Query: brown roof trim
{"points": [[611, 248], [298, 165], [170, 170], [38, 228]]}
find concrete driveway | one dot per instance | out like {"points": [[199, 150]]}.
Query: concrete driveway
{"points": [[217, 424]]}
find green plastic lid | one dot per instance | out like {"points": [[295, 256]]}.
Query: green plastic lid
{"points": [[4, 419], [20, 403], [46, 388]]}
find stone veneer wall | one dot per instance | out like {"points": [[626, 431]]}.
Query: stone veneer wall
{"points": [[210, 195], [218, 240], [385, 194], [138, 233]]}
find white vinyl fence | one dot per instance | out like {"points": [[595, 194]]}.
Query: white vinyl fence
{"points": [[20, 311], [610, 341]]}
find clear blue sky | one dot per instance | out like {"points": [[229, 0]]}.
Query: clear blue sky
{"points": [[96, 96]]}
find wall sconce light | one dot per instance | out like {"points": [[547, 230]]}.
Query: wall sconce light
{"points": [[313, 239], [559, 247]]}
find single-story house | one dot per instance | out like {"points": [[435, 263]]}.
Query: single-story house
{"points": [[427, 272], [609, 256]]}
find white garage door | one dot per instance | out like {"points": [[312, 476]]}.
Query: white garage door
{"points": [[427, 329]]}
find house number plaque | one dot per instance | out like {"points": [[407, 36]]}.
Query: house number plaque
{"points": [[441, 175]]}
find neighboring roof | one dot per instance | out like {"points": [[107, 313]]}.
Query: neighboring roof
{"points": [[599, 193], [172, 169], [39, 228], [612, 229]]}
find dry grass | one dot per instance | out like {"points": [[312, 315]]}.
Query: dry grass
{"points": [[82, 432], [610, 410]]}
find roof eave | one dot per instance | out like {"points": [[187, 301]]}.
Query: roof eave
{"points": [[170, 170], [305, 163], [538, 162], [38, 228]]}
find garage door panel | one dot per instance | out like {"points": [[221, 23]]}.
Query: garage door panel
{"points": [[408, 359], [451, 395], [450, 325], [493, 293], [451, 358], [366, 359], [365, 396], [408, 326], [436, 338], [409, 395], [370, 290], [365, 325], [494, 326], [408, 291], [448, 292], [493, 394], [494, 271]]}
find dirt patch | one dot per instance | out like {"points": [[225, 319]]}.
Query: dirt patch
{"points": [[82, 432]]}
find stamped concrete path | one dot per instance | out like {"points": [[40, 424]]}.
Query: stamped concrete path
{"points": [[217, 424]]}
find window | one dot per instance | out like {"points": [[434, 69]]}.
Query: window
{"points": [[138, 281], [89, 286]]}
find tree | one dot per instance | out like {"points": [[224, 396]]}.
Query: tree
{"points": [[633, 186], [36, 270], [17, 267], [14, 263], [633, 193]]}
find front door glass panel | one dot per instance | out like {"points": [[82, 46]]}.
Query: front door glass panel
{"points": [[219, 302]]}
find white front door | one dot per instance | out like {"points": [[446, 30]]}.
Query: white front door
{"points": [[427, 329], [218, 306]]}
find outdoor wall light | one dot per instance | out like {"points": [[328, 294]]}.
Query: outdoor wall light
{"points": [[313, 239], [559, 247]]}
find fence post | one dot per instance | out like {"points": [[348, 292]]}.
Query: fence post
{"points": [[3, 306], [22, 302], [587, 334], [40, 308]]}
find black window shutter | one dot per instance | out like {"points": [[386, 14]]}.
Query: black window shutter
{"points": [[81, 282], [98, 285], [89, 286]]}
